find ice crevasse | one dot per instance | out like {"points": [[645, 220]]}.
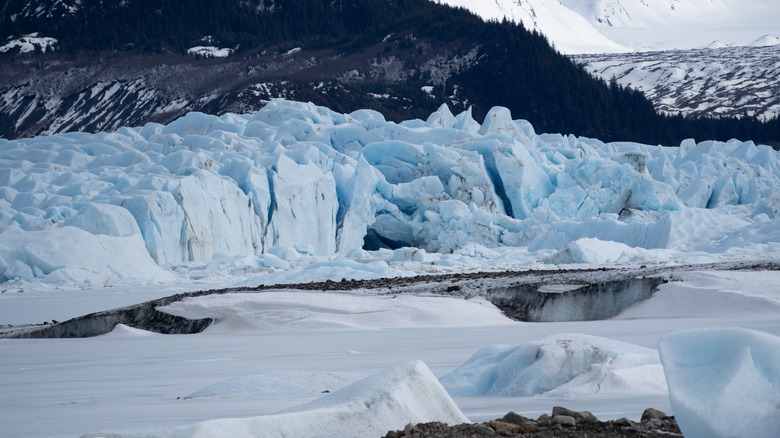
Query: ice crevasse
{"points": [[302, 177]]}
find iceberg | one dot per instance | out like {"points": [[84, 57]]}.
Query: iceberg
{"points": [[562, 365], [723, 382]]}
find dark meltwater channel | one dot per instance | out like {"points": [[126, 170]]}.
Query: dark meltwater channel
{"points": [[531, 296], [143, 316], [542, 302]]}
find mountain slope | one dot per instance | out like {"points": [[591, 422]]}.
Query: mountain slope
{"points": [[567, 30], [679, 24], [403, 57], [608, 26], [729, 81]]}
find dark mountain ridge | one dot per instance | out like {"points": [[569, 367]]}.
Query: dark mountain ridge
{"points": [[124, 63]]}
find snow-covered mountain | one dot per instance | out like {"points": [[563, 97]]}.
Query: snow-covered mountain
{"points": [[297, 180], [724, 81], [601, 26], [679, 24], [566, 29], [640, 43]]}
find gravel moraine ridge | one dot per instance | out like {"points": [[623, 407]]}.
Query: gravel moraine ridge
{"points": [[561, 423]]}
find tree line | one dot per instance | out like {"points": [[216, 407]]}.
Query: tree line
{"points": [[517, 68]]}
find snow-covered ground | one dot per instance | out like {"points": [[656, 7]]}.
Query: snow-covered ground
{"points": [[297, 193], [293, 347]]}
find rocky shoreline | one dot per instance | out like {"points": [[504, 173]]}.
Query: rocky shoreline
{"points": [[560, 423]]}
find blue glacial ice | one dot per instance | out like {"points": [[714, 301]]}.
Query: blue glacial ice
{"points": [[723, 382], [563, 365], [297, 178]]}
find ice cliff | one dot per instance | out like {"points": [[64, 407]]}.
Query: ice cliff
{"points": [[298, 177]]}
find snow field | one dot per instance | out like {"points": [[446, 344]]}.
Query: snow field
{"points": [[131, 381], [385, 401], [29, 43], [611, 26]]}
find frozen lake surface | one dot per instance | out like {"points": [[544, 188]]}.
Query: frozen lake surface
{"points": [[287, 348]]}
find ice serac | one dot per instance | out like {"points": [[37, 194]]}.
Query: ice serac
{"points": [[160, 220], [723, 382], [358, 203], [515, 166], [564, 365], [305, 208], [105, 219], [218, 218], [385, 401]]}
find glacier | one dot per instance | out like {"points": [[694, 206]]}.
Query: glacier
{"points": [[297, 180]]}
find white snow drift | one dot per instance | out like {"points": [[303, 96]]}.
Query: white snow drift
{"points": [[298, 180], [385, 401], [286, 310]]}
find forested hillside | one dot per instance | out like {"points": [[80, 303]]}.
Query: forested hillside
{"points": [[402, 57]]}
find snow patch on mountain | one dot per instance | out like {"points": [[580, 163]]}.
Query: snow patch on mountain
{"points": [[98, 106], [765, 41], [209, 51], [29, 43], [717, 44], [51, 9], [641, 13]]}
